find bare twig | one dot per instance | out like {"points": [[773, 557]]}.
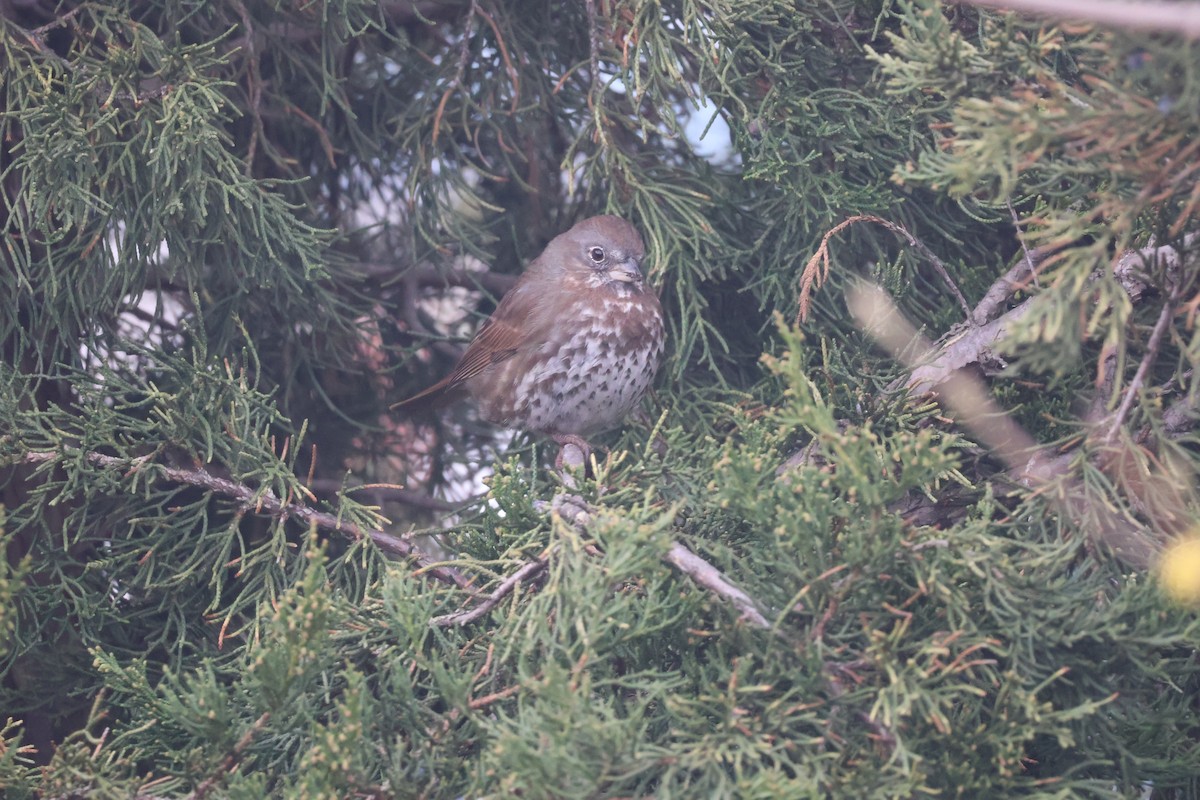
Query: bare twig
{"points": [[1021, 238], [710, 578], [265, 501], [504, 589], [1139, 378]]}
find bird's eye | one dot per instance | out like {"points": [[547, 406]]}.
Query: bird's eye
{"points": [[597, 255]]}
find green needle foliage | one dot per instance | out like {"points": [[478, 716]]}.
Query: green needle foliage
{"points": [[233, 234]]}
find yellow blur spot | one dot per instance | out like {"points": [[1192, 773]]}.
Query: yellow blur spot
{"points": [[1179, 571]]}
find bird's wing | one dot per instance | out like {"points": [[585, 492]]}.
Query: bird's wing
{"points": [[499, 338]]}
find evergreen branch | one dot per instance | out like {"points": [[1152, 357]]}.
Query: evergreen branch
{"points": [[232, 758], [149, 89], [1183, 18], [266, 501]]}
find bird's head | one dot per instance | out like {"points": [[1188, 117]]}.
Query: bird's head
{"points": [[599, 252]]}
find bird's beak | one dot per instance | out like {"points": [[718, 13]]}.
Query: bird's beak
{"points": [[626, 272]]}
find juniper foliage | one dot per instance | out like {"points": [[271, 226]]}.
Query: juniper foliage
{"points": [[234, 233]]}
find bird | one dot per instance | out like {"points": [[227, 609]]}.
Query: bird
{"points": [[572, 347]]}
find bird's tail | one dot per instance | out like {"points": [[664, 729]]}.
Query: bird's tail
{"points": [[441, 393]]}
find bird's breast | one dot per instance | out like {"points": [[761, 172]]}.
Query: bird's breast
{"points": [[585, 375]]}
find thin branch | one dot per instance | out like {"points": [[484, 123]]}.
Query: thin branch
{"points": [[1021, 239], [380, 493], [710, 578], [467, 616], [464, 58], [487, 700], [593, 44], [1139, 377], [318, 129], [265, 501], [254, 84], [1179, 18]]}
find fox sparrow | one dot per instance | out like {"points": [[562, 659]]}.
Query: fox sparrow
{"points": [[574, 344]]}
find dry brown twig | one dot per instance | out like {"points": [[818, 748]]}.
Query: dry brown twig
{"points": [[816, 271]]}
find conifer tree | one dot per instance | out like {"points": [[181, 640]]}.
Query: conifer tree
{"points": [[912, 508]]}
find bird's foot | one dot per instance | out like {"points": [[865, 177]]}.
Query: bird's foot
{"points": [[574, 451]]}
